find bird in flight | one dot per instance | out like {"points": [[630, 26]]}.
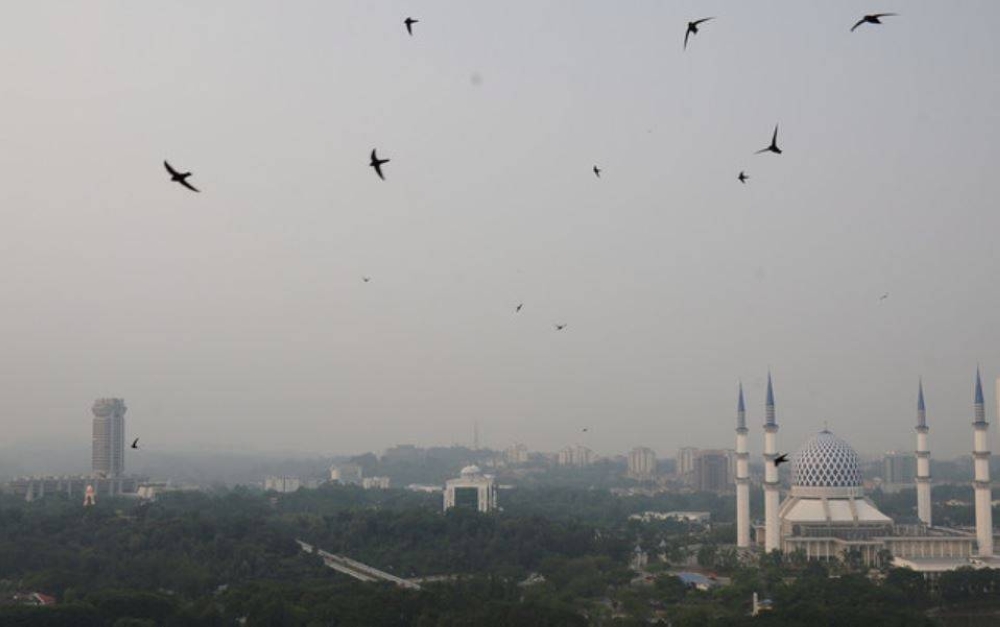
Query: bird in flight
{"points": [[180, 177], [871, 19], [377, 164], [742, 178], [518, 308], [585, 429], [780, 459], [366, 278], [560, 327], [883, 297], [409, 25], [597, 172], [774, 144], [135, 443], [693, 29]]}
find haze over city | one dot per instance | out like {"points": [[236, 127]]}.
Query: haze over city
{"points": [[237, 318]]}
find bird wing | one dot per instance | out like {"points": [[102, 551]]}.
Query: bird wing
{"points": [[859, 23], [686, 35], [189, 185], [172, 171], [378, 169], [884, 14], [762, 150], [374, 158], [704, 19], [774, 138]]}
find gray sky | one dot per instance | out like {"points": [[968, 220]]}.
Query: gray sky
{"points": [[237, 318]]}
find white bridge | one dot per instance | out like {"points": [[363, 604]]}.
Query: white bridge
{"points": [[354, 568]]}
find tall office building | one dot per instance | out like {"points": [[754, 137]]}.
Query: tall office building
{"points": [[642, 463], [898, 468], [108, 457]]}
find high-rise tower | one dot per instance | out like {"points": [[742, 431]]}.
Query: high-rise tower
{"points": [[742, 476], [923, 478], [108, 458], [772, 538], [981, 458]]}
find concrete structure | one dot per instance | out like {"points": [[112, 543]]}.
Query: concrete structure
{"points": [[772, 537], [108, 448], [472, 490], [981, 459], [347, 473], [642, 463], [282, 484], [73, 486], [516, 454], [578, 455], [742, 476], [375, 483], [923, 475], [713, 470], [898, 470], [685, 461]]}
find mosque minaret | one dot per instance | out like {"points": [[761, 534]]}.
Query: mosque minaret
{"points": [[742, 476], [923, 478], [981, 457], [772, 532]]}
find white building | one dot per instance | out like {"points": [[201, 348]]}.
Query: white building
{"points": [[282, 484], [516, 454], [642, 463], [472, 490], [375, 483], [347, 473], [578, 455]]}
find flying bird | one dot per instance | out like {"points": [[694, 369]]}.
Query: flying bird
{"points": [[742, 178], [774, 144], [584, 429], [135, 443], [780, 459], [180, 177], [871, 19], [377, 164], [693, 29], [597, 172], [409, 25], [366, 278], [560, 327], [883, 297], [518, 308]]}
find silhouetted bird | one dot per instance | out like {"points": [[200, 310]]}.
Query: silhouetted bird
{"points": [[597, 172], [584, 429], [871, 19], [780, 459], [883, 297], [518, 308], [377, 164], [135, 443], [409, 24], [774, 144], [180, 177], [366, 278], [693, 29], [742, 178], [560, 327]]}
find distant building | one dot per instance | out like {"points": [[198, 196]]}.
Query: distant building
{"points": [[472, 490], [73, 486], [576, 456], [346, 473], [516, 454], [642, 463], [685, 461], [375, 483], [898, 469], [695, 517], [108, 448], [282, 484], [713, 470]]}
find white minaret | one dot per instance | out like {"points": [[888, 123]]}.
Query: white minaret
{"points": [[742, 476], [981, 458], [923, 461], [772, 534]]}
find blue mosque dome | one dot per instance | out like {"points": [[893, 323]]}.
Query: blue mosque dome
{"points": [[826, 461]]}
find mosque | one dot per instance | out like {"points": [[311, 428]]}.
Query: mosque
{"points": [[826, 516]]}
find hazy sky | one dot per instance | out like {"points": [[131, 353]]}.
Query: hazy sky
{"points": [[237, 318]]}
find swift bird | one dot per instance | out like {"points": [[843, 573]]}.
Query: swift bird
{"points": [[585, 429], [518, 308], [560, 327], [135, 443], [693, 29], [871, 19], [409, 25], [366, 278], [377, 164], [774, 144], [883, 297], [180, 177], [780, 459], [742, 178], [597, 172]]}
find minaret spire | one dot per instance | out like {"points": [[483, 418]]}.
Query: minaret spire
{"points": [[742, 476], [981, 483], [923, 478], [772, 535]]}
